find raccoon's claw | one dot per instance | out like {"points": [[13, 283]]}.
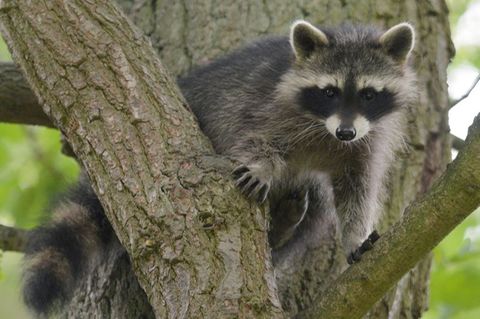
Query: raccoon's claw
{"points": [[263, 193], [356, 255], [239, 171], [251, 185], [374, 236]]}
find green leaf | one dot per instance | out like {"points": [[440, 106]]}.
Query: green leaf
{"points": [[33, 171]]}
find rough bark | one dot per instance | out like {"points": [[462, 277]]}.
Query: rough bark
{"points": [[189, 234], [186, 33], [112, 291]]}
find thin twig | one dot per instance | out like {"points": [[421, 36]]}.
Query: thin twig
{"points": [[463, 97], [457, 142]]}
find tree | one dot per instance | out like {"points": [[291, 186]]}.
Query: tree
{"points": [[127, 88]]}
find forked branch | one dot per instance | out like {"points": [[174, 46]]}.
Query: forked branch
{"points": [[464, 96]]}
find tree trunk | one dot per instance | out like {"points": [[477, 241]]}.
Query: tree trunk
{"points": [[112, 291], [186, 33], [189, 233]]}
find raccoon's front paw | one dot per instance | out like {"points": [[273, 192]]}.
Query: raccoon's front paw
{"points": [[356, 255], [253, 181]]}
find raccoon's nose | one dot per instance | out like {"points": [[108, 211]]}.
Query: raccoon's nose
{"points": [[345, 133]]}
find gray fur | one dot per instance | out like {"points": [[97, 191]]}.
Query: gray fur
{"points": [[247, 104]]}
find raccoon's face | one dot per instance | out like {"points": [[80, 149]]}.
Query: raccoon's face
{"points": [[350, 78]]}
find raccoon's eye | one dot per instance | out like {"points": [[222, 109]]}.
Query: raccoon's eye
{"points": [[368, 94], [330, 92]]}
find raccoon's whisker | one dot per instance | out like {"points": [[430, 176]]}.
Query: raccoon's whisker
{"points": [[311, 141], [305, 138], [307, 123], [365, 141], [306, 135], [300, 135], [324, 135], [293, 128], [361, 143], [368, 144], [318, 134]]}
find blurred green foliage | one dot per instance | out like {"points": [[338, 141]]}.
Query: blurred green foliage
{"points": [[32, 169], [457, 9], [455, 276], [466, 53], [4, 54]]}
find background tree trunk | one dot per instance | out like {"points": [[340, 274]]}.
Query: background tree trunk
{"points": [[186, 33]]}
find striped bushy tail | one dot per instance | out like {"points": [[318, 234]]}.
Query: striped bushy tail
{"points": [[59, 254]]}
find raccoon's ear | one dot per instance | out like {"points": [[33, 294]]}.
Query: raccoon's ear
{"points": [[305, 39], [398, 41]]}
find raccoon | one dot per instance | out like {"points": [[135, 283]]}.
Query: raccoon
{"points": [[307, 115], [323, 100]]}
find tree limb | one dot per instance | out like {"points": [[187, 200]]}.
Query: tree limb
{"points": [[12, 239], [457, 142], [464, 96], [426, 221], [189, 233], [18, 104]]}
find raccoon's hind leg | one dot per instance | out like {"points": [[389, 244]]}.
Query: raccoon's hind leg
{"points": [[58, 254], [287, 213]]}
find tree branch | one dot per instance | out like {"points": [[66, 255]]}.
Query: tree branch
{"points": [[18, 103], [464, 96], [12, 239], [457, 142], [426, 221], [189, 233]]}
